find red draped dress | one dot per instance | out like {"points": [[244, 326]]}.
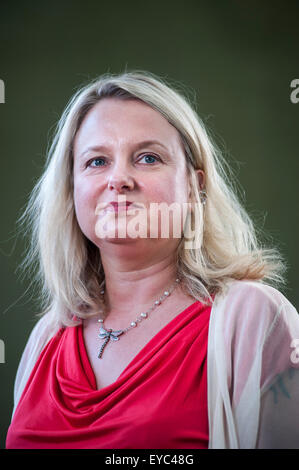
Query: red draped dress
{"points": [[159, 401]]}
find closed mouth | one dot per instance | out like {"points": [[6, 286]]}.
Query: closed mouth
{"points": [[115, 206]]}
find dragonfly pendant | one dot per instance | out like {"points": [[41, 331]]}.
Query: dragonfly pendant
{"points": [[106, 335]]}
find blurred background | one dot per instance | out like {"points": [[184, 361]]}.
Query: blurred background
{"points": [[235, 59]]}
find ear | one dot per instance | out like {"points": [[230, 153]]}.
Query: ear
{"points": [[201, 178]]}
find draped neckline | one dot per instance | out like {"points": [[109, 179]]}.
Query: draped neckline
{"points": [[147, 348]]}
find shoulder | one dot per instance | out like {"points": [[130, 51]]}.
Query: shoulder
{"points": [[254, 310], [42, 332], [252, 291], [40, 335], [253, 298]]}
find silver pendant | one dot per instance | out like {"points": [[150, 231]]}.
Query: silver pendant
{"points": [[106, 335]]}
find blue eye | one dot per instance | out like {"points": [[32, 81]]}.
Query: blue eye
{"points": [[101, 160], [149, 158]]}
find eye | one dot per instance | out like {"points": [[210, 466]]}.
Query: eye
{"points": [[99, 161], [149, 158]]}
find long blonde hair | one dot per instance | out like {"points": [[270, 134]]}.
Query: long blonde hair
{"points": [[67, 266]]}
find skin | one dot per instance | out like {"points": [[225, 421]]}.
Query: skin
{"points": [[143, 266]]}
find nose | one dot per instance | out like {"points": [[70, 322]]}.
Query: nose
{"points": [[120, 180]]}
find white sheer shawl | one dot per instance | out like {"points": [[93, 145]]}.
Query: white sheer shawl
{"points": [[253, 368]]}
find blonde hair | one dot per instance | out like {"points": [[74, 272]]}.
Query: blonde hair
{"points": [[67, 266]]}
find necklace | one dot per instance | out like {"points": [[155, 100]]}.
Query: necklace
{"points": [[108, 334]]}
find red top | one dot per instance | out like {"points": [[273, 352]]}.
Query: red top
{"points": [[159, 401]]}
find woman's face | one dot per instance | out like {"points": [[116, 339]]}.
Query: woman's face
{"points": [[125, 152]]}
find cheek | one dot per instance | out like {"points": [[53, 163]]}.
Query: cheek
{"points": [[84, 202], [176, 190], [168, 188]]}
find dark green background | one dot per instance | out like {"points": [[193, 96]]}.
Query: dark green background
{"points": [[239, 58]]}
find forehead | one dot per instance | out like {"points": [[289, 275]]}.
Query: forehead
{"points": [[116, 122]]}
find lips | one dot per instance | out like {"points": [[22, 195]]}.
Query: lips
{"points": [[116, 206], [119, 206]]}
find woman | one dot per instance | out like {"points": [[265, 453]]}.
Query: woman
{"points": [[147, 340]]}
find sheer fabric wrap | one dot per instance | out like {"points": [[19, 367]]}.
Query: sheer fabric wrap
{"points": [[253, 368]]}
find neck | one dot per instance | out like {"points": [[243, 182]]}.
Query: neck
{"points": [[129, 284]]}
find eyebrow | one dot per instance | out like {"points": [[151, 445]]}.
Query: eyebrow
{"points": [[105, 148]]}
